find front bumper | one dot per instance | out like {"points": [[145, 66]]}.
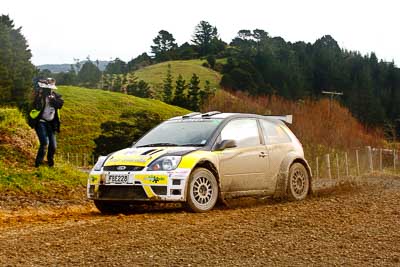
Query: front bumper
{"points": [[141, 185]]}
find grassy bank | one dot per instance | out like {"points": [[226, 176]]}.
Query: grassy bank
{"points": [[18, 145]]}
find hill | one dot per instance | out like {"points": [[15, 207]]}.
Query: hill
{"points": [[155, 74], [85, 109], [57, 68]]}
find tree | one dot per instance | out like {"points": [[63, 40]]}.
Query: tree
{"points": [[116, 67], [193, 93], [180, 88], [117, 83], [89, 75], [186, 51], [204, 34], [139, 62], [164, 45], [211, 61], [140, 89], [16, 70], [167, 87], [206, 92]]}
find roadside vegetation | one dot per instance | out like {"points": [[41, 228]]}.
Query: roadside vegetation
{"points": [[18, 145], [322, 126]]}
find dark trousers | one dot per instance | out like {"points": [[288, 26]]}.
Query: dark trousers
{"points": [[47, 139]]}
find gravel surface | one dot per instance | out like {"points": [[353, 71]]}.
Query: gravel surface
{"points": [[345, 226]]}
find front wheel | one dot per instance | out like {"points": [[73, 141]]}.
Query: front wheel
{"points": [[298, 182], [202, 193]]}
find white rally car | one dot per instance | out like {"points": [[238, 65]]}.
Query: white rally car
{"points": [[200, 158]]}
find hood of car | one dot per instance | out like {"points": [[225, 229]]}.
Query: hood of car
{"points": [[142, 156]]}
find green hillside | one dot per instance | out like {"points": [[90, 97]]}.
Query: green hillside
{"points": [[85, 109], [155, 74]]}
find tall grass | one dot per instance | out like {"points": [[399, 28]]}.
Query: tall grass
{"points": [[320, 125]]}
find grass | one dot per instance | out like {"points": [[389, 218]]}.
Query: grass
{"points": [[18, 145], [85, 109], [58, 181], [155, 74]]}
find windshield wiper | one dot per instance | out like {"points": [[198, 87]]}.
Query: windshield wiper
{"points": [[193, 145], [159, 144]]}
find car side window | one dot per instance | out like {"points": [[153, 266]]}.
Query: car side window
{"points": [[274, 133], [243, 131]]}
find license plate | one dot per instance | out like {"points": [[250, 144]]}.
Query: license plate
{"points": [[117, 179]]}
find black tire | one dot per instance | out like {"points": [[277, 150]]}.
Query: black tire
{"points": [[202, 191], [111, 207], [298, 185]]}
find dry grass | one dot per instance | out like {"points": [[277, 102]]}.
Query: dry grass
{"points": [[320, 125]]}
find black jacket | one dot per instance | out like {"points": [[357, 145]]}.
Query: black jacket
{"points": [[56, 101]]}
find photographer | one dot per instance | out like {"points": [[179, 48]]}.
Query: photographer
{"points": [[45, 119]]}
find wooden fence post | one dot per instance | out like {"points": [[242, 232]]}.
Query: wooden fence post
{"points": [[369, 154], [328, 165], [358, 164], [380, 160], [394, 159], [317, 170], [347, 164], [68, 157], [337, 165]]}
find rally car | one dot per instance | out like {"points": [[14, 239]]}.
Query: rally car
{"points": [[200, 158]]}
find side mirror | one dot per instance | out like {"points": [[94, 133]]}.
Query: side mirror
{"points": [[225, 144], [133, 143]]}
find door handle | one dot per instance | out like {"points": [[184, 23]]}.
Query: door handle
{"points": [[262, 155]]}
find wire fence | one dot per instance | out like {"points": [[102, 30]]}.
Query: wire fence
{"points": [[356, 162], [350, 163], [80, 160]]}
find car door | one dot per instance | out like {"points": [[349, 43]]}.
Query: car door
{"points": [[243, 167], [278, 144]]}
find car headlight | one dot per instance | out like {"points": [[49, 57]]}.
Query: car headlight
{"points": [[99, 163], [167, 163]]}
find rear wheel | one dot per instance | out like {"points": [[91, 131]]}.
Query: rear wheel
{"points": [[298, 182], [202, 193], [111, 207]]}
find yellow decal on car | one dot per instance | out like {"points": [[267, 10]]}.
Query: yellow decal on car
{"points": [[190, 160], [94, 178], [152, 179], [149, 192]]}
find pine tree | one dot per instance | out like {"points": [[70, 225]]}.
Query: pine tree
{"points": [[167, 87], [180, 97], [16, 70], [89, 75], [206, 92], [140, 89], [193, 94]]}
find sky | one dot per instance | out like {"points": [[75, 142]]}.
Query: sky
{"points": [[59, 31]]}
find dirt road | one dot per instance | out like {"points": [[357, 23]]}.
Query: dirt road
{"points": [[351, 226]]}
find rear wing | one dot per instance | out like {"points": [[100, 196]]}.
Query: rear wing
{"points": [[285, 118]]}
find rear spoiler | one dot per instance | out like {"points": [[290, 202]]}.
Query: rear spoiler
{"points": [[285, 118]]}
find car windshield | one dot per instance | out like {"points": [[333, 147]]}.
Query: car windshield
{"points": [[189, 132]]}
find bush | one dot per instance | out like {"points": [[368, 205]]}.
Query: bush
{"points": [[119, 135]]}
